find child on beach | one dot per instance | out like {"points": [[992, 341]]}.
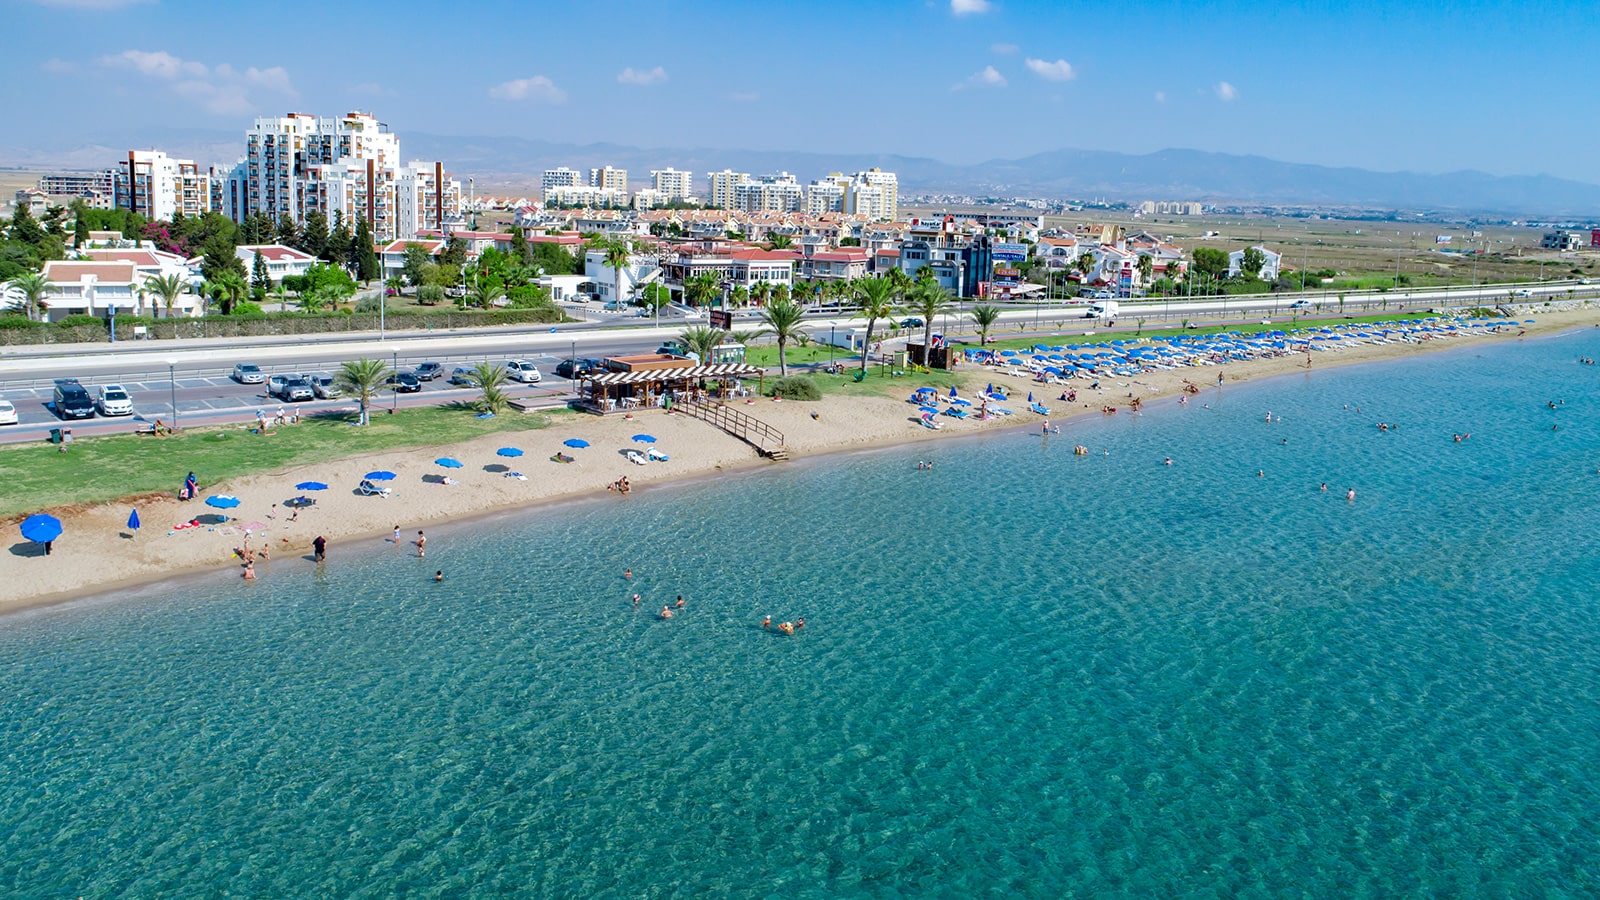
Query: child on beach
{"points": [[422, 544]]}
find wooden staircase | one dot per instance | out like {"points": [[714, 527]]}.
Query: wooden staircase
{"points": [[767, 440]]}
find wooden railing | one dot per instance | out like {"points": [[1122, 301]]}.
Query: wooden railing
{"points": [[749, 429]]}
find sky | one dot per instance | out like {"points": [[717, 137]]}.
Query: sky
{"points": [[1426, 87]]}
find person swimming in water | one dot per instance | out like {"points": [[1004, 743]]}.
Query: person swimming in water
{"points": [[666, 613], [679, 604], [767, 622]]}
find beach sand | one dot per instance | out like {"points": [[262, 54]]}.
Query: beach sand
{"points": [[97, 552]]}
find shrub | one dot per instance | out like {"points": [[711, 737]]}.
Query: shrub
{"points": [[796, 387], [76, 320], [248, 310], [19, 322], [430, 295]]}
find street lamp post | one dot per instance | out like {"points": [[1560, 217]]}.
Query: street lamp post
{"points": [[830, 346], [172, 387], [394, 395], [574, 367]]}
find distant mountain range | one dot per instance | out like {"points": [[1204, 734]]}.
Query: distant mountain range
{"points": [[1077, 174]]}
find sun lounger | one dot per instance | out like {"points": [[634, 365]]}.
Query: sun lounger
{"points": [[637, 458], [370, 489], [656, 455]]}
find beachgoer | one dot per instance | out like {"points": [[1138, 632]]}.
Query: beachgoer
{"points": [[249, 571], [1260, 474], [397, 534], [49, 546], [635, 599], [1169, 461], [800, 623], [438, 575], [627, 573], [679, 604], [1350, 494], [786, 627], [666, 613], [295, 516], [1045, 429], [767, 622], [1324, 486], [422, 544], [320, 548], [266, 551], [273, 512]]}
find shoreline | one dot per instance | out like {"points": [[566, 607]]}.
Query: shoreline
{"points": [[697, 450]]}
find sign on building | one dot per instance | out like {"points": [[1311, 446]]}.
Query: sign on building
{"points": [[721, 318], [1010, 252]]}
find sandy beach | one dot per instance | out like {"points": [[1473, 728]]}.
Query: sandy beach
{"points": [[97, 552]]}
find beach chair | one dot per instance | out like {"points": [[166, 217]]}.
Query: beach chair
{"points": [[369, 489]]}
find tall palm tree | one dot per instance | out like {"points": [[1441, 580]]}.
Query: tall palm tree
{"points": [[34, 289], [1084, 264], [1147, 266], [761, 293], [362, 378], [782, 319], [619, 254], [927, 299], [701, 289], [168, 288], [490, 379], [984, 316], [701, 340], [898, 279], [874, 300], [233, 287]]}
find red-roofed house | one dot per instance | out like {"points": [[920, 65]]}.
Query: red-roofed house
{"points": [[281, 261], [91, 287], [392, 256]]}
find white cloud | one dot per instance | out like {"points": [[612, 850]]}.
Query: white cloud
{"points": [[538, 89], [58, 66], [969, 7], [988, 78], [1226, 91], [1060, 70], [647, 77], [744, 97], [91, 4], [1004, 49], [219, 89], [1161, 96], [368, 87]]}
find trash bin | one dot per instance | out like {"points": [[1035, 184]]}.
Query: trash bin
{"points": [[55, 435]]}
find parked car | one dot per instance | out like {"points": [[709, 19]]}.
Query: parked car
{"points": [[404, 382], [8, 413], [428, 371], [248, 373], [71, 401], [523, 371], [577, 366], [290, 387], [323, 385], [461, 375], [114, 401], [581, 297]]}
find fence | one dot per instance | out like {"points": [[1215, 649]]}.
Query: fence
{"points": [[758, 434], [17, 331]]}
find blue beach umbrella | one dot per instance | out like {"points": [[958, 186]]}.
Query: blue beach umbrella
{"points": [[133, 519], [310, 486], [448, 462], [222, 501], [644, 439], [41, 528], [575, 442], [508, 451], [379, 475]]}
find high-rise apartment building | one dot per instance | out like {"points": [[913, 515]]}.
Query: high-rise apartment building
{"points": [[720, 186], [672, 184], [874, 194], [156, 186], [608, 178], [768, 193], [562, 177]]}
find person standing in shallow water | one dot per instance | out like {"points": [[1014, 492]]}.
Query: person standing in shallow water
{"points": [[320, 548]]}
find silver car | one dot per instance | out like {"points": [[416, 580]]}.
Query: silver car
{"points": [[323, 385], [248, 373]]}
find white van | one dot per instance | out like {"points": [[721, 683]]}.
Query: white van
{"points": [[1102, 309]]}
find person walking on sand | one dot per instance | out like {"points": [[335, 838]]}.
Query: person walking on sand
{"points": [[319, 548], [397, 535], [422, 544]]}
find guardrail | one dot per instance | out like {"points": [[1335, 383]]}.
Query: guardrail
{"points": [[747, 428]]}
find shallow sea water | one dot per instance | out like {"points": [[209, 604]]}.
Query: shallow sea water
{"points": [[1024, 674]]}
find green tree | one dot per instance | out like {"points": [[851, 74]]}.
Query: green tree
{"points": [[80, 232], [362, 378], [927, 300], [314, 236], [701, 290], [490, 379], [217, 257], [340, 240], [367, 267], [287, 233], [1146, 266], [260, 281], [454, 252], [1084, 264], [169, 288], [233, 289], [484, 294], [417, 261], [984, 316], [520, 251], [653, 298], [1252, 261], [701, 340], [783, 320], [553, 259], [33, 290], [779, 242], [618, 254], [23, 226], [1211, 262], [874, 300]]}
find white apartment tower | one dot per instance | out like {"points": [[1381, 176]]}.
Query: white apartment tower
{"points": [[874, 194], [562, 177], [156, 186], [768, 193], [720, 185], [672, 184], [608, 178]]}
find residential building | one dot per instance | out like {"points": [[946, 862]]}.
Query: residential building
{"points": [[91, 287], [583, 195], [608, 286], [1170, 208], [281, 261], [673, 184], [1269, 268], [156, 186], [609, 178], [562, 177], [76, 184], [826, 195], [720, 187], [1561, 240], [427, 197], [874, 195], [35, 200], [779, 192]]}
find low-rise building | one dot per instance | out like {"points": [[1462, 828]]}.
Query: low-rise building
{"points": [[1269, 267], [281, 261], [91, 287], [1561, 240]]}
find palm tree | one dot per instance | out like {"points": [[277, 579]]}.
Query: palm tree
{"points": [[314, 300], [739, 296], [985, 316], [874, 301], [490, 379], [233, 287], [701, 289], [168, 288], [898, 278], [484, 295], [761, 293], [34, 289], [779, 242], [362, 378], [701, 340], [1084, 264], [927, 299], [619, 254], [395, 283], [210, 292], [782, 319], [1146, 265]]}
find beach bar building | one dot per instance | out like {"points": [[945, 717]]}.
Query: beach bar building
{"points": [[626, 383]]}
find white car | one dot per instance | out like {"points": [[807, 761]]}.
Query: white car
{"points": [[114, 401], [8, 413], [248, 373], [523, 371]]}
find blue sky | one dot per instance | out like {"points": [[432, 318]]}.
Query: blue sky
{"points": [[1495, 86]]}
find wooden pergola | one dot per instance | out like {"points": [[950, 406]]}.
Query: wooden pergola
{"points": [[607, 392]]}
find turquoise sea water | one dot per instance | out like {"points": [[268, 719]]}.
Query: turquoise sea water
{"points": [[1024, 673]]}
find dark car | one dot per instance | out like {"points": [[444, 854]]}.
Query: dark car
{"points": [[912, 322], [71, 400], [428, 371], [404, 382], [576, 367]]}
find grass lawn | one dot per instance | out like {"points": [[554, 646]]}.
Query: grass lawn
{"points": [[99, 469], [766, 355]]}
